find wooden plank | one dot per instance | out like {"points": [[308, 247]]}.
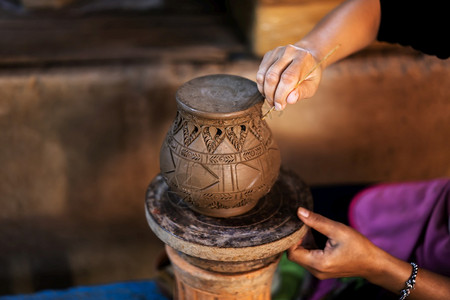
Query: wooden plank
{"points": [[278, 25], [268, 23], [290, 2], [39, 4], [195, 37]]}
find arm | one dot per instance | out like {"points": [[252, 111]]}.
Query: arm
{"points": [[353, 25], [348, 253]]}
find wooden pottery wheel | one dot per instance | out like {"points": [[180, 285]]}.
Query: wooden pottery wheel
{"points": [[210, 255]]}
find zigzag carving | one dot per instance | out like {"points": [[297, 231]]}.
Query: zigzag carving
{"points": [[189, 137], [177, 124], [237, 142], [212, 142]]}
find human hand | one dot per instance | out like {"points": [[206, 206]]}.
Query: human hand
{"points": [[280, 71], [347, 253]]}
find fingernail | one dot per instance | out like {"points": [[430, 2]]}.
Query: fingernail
{"points": [[292, 98], [303, 212], [278, 106]]}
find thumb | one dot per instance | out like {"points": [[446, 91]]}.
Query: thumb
{"points": [[304, 257], [293, 96]]}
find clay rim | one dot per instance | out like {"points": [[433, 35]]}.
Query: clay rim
{"points": [[255, 101]]}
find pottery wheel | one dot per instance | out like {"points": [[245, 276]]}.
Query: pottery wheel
{"points": [[271, 227]]}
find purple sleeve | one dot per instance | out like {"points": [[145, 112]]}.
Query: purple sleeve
{"points": [[408, 220]]}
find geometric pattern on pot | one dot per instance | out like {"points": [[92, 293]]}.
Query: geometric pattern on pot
{"points": [[213, 136]]}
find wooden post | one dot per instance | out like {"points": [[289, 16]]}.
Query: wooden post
{"points": [[195, 283]]}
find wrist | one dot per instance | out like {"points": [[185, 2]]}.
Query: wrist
{"points": [[388, 272], [310, 48], [410, 283], [318, 51], [377, 264]]}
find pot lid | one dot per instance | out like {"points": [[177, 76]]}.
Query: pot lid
{"points": [[218, 94]]}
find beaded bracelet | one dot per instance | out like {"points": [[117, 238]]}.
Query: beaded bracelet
{"points": [[409, 285]]}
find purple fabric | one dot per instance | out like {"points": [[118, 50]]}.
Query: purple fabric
{"points": [[323, 288], [408, 220], [411, 221]]}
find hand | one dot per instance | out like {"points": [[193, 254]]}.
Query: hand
{"points": [[280, 71], [347, 253]]}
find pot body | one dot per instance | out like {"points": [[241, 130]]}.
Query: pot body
{"points": [[219, 156]]}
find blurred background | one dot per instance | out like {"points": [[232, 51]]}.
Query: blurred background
{"points": [[87, 94]]}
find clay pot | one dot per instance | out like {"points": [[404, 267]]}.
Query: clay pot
{"points": [[219, 156]]}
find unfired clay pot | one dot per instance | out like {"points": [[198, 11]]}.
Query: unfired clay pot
{"points": [[219, 156]]}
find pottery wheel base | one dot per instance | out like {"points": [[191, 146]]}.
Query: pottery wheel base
{"points": [[195, 283], [271, 227]]}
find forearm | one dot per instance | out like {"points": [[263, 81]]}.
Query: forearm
{"points": [[392, 273], [353, 25]]}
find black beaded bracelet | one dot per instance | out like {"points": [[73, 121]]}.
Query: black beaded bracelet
{"points": [[409, 285]]}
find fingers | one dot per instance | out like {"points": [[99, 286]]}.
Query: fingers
{"points": [[305, 252], [280, 76], [310, 259], [266, 62], [347, 253], [288, 80], [323, 225], [320, 263], [279, 73]]}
